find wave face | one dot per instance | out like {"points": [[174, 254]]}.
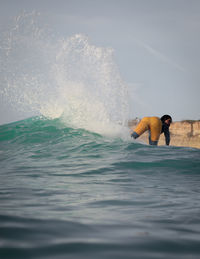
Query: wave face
{"points": [[54, 77], [71, 193]]}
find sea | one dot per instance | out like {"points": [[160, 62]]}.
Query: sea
{"points": [[71, 193], [73, 184]]}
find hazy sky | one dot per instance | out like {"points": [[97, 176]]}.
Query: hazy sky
{"points": [[156, 46]]}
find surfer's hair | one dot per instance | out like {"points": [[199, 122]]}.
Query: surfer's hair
{"points": [[166, 117]]}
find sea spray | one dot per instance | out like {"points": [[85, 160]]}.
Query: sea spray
{"points": [[65, 77], [27, 54]]}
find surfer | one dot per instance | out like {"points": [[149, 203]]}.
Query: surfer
{"points": [[156, 126]]}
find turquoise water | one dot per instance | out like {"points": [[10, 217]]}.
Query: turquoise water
{"points": [[71, 193]]}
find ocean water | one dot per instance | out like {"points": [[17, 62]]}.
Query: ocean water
{"points": [[71, 193], [73, 184]]}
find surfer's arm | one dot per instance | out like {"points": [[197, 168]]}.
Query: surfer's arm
{"points": [[167, 136]]}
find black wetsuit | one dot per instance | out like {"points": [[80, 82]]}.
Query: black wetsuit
{"points": [[165, 130]]}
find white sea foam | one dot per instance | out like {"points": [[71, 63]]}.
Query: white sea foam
{"points": [[68, 78]]}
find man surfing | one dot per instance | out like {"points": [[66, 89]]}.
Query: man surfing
{"points": [[156, 126]]}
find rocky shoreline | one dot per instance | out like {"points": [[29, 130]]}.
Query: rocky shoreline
{"points": [[183, 133]]}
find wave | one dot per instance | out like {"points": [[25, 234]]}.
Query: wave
{"points": [[54, 136], [67, 78], [38, 129]]}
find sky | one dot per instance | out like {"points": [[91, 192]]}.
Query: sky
{"points": [[155, 42]]}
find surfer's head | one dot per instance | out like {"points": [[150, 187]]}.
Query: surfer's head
{"points": [[167, 119]]}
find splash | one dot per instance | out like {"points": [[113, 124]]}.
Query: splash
{"points": [[68, 78]]}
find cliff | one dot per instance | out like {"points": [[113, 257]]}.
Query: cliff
{"points": [[183, 133]]}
